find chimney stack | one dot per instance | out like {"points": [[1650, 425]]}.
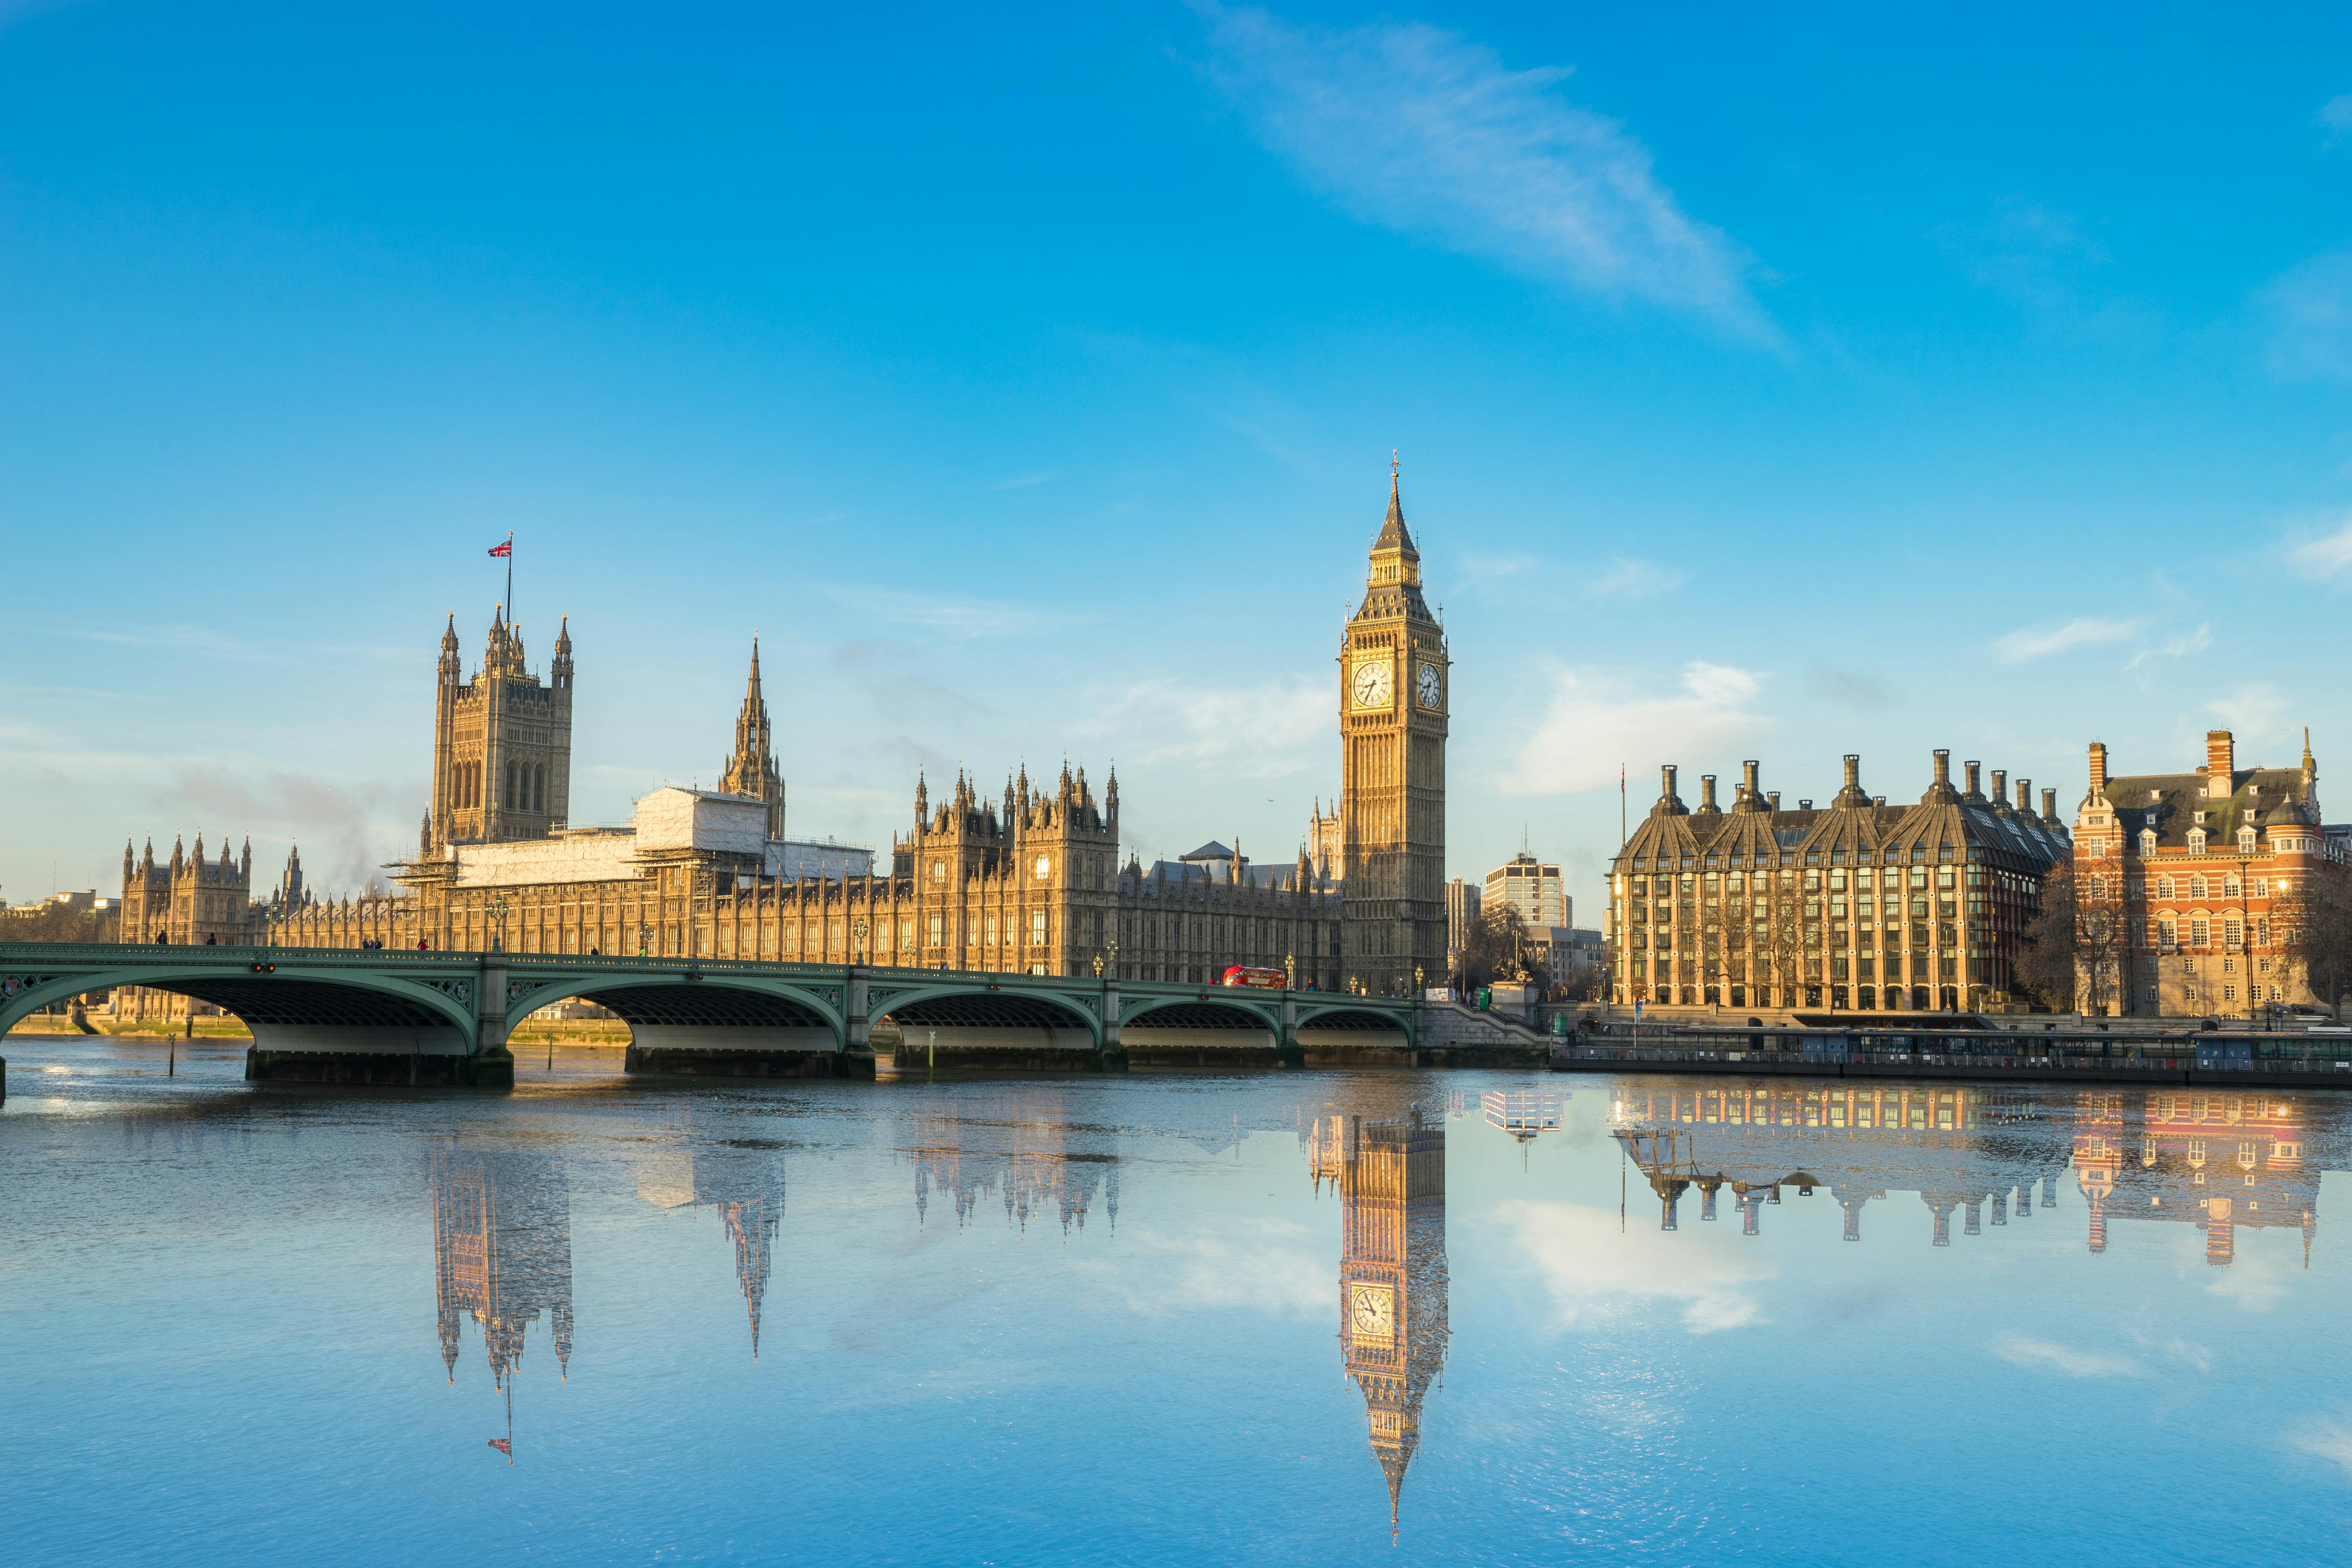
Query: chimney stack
{"points": [[2221, 764], [1975, 790], [1943, 768], [2098, 768], [2050, 806], [1774, 797], [1853, 770], [1667, 782], [2025, 796], [1707, 794], [2000, 787]]}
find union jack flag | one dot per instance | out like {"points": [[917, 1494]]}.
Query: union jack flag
{"points": [[505, 549], [503, 1447]]}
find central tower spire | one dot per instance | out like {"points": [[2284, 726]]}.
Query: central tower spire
{"points": [[751, 768]]}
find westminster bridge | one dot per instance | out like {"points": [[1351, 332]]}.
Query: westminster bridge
{"points": [[374, 1016]]}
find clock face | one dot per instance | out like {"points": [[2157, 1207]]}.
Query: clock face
{"points": [[1429, 685], [1369, 683], [1371, 1311], [1045, 867]]}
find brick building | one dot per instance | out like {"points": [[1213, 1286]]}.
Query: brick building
{"points": [[2185, 883]]}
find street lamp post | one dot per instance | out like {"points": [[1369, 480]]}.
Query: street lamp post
{"points": [[499, 910]]}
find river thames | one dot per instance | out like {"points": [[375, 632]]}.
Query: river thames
{"points": [[1166, 1319]]}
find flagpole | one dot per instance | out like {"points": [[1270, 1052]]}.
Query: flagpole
{"points": [[510, 616]]}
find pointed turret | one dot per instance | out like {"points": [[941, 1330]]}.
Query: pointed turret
{"points": [[559, 673], [128, 866], [750, 768], [1392, 579]]}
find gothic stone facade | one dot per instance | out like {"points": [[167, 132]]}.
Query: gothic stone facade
{"points": [[1862, 906], [1028, 883], [1395, 681], [2186, 881], [501, 742]]}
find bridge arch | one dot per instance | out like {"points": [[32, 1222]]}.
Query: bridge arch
{"points": [[1194, 1012], [287, 1010], [689, 1000], [977, 1012]]}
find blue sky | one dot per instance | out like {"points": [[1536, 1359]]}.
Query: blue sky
{"points": [[1771, 387]]}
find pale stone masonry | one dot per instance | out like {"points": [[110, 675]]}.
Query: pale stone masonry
{"points": [[2198, 871], [1030, 882], [1396, 684], [1860, 906]]}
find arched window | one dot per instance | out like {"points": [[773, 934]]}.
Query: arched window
{"points": [[2233, 931], [2147, 841], [2197, 932], [2246, 840], [2196, 887], [2165, 930], [2197, 840], [2229, 886]]}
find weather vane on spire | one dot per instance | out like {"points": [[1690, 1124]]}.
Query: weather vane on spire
{"points": [[1393, 462]]}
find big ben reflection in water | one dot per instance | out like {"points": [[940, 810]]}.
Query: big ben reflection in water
{"points": [[1392, 1277]]}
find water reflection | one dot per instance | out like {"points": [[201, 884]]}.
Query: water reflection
{"points": [[501, 1256], [1021, 1148], [743, 1180], [2219, 1160], [1390, 1178]]}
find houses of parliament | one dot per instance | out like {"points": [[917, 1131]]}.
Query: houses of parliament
{"points": [[1028, 880]]}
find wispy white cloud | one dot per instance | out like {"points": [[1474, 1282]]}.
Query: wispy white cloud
{"points": [[1265, 1266], [955, 615], [2336, 118], [1630, 579], [2036, 255], [2327, 1440], [1270, 730], [1594, 724], [2257, 1282], [2327, 557], [2180, 645], [1591, 1270], [2310, 311], [1427, 133], [2256, 711], [1481, 570], [2044, 1355], [2040, 642], [2186, 1352]]}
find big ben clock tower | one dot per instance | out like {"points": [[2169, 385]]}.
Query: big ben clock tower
{"points": [[1395, 687]]}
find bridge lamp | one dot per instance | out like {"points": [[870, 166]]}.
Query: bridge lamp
{"points": [[498, 909], [1098, 965], [857, 930]]}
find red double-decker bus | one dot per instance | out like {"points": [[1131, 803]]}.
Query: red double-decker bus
{"points": [[1241, 974]]}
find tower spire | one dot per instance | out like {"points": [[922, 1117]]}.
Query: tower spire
{"points": [[752, 767]]}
